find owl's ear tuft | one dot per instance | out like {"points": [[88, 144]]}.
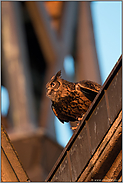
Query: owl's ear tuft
{"points": [[58, 74]]}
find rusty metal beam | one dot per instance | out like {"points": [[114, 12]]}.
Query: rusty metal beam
{"points": [[15, 68], [104, 156], [46, 35], [54, 9], [100, 149], [68, 26], [87, 66], [116, 168], [11, 167]]}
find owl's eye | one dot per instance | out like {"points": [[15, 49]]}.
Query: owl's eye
{"points": [[52, 84]]}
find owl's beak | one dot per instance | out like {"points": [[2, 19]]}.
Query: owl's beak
{"points": [[47, 85], [47, 91]]}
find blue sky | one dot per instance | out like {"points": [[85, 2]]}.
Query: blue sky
{"points": [[4, 101], [107, 17]]}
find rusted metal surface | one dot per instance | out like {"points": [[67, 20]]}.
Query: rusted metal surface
{"points": [[107, 156], [107, 142], [16, 69], [62, 174], [87, 66], [69, 163], [8, 174], [108, 109], [11, 167], [79, 153], [88, 136], [98, 124], [115, 95], [116, 167]]}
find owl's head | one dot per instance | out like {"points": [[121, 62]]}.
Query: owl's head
{"points": [[53, 87]]}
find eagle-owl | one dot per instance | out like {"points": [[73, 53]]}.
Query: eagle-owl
{"points": [[70, 101]]}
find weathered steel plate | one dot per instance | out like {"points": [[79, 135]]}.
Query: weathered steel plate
{"points": [[79, 153], [98, 124], [114, 93], [62, 174]]}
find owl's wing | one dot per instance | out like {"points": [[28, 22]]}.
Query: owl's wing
{"points": [[57, 114], [88, 88], [61, 113]]}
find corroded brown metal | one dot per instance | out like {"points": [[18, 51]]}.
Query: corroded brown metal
{"points": [[105, 153], [11, 167]]}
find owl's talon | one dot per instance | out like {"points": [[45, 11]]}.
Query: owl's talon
{"points": [[73, 127], [79, 119]]}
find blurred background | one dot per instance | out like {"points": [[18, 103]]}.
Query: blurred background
{"points": [[82, 39]]}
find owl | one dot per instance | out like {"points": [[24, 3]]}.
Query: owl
{"points": [[70, 101]]}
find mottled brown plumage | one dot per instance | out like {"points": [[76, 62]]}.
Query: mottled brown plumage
{"points": [[70, 101]]}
